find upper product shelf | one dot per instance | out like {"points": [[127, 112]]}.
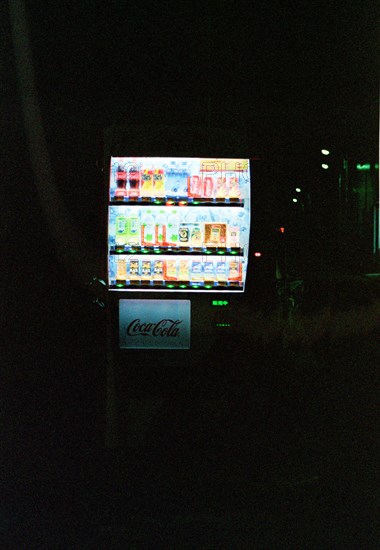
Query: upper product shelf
{"points": [[178, 182]]}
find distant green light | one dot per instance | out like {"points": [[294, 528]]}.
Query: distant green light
{"points": [[298, 189], [170, 286], [208, 286], [233, 251], [182, 286], [376, 166], [220, 302], [195, 286], [196, 202], [157, 201], [325, 152], [363, 167], [119, 285], [157, 251], [325, 166], [295, 200], [145, 251], [220, 251], [208, 251], [223, 324]]}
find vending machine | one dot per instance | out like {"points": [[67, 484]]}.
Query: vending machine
{"points": [[178, 241]]}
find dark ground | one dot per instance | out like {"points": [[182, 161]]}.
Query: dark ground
{"points": [[279, 452]]}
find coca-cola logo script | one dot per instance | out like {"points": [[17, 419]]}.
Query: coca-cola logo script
{"points": [[164, 328]]}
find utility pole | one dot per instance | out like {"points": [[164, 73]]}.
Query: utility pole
{"points": [[72, 249]]}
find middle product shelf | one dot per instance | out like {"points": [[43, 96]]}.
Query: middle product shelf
{"points": [[196, 231]]}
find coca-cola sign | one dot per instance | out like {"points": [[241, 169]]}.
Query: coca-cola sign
{"points": [[164, 328], [154, 324]]}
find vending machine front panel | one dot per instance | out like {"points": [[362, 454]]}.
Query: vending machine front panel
{"points": [[178, 224]]}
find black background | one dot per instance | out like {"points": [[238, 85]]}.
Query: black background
{"points": [[293, 78]]}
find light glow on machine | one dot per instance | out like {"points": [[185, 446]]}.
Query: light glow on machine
{"points": [[178, 224]]}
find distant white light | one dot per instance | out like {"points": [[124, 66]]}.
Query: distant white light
{"points": [[298, 189], [325, 152], [325, 166], [295, 200]]}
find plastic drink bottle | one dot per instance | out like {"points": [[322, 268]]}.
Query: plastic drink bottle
{"points": [[221, 271], [120, 182], [112, 269], [209, 270], [146, 270], [196, 238], [195, 186], [234, 270], [134, 269], [171, 180], [121, 274], [160, 228], [111, 227], [234, 187], [208, 187], [183, 270], [121, 235], [170, 270], [158, 270], [134, 177], [233, 232], [133, 230], [147, 183], [243, 224], [172, 232], [196, 270], [158, 183], [182, 178], [221, 187], [147, 229]]}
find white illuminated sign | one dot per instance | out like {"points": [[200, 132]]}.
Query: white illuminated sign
{"points": [[154, 324]]}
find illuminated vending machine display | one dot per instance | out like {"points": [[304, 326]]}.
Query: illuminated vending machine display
{"points": [[178, 224]]}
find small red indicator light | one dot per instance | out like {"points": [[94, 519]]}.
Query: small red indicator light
{"points": [[282, 229]]}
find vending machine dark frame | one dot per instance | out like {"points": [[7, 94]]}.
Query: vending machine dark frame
{"points": [[216, 315]]}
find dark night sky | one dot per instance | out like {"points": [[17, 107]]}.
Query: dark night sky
{"points": [[294, 78], [273, 67]]}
